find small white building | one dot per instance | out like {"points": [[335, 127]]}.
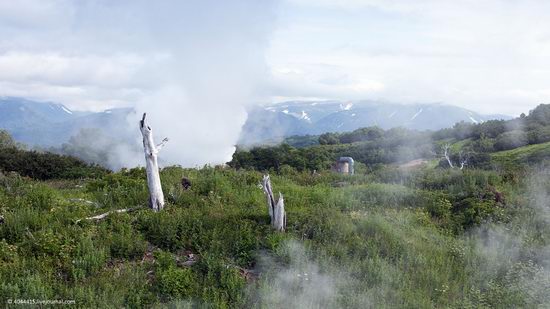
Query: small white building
{"points": [[344, 165]]}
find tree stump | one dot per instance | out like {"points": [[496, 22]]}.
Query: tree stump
{"points": [[185, 183], [276, 209]]}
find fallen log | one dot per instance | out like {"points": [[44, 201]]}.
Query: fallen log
{"points": [[104, 215]]}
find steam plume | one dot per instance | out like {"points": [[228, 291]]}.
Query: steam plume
{"points": [[192, 65]]}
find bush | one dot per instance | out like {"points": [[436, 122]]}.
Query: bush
{"points": [[45, 165], [41, 197], [385, 237], [177, 283], [440, 209], [472, 211], [122, 240], [119, 190], [88, 259]]}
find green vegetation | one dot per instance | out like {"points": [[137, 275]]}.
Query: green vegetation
{"points": [[43, 165], [373, 241], [387, 237], [523, 155], [471, 143], [382, 147]]}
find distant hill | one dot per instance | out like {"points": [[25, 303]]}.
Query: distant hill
{"points": [[48, 124], [274, 122]]}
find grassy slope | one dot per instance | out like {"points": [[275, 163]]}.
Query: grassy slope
{"points": [[526, 154], [372, 244]]}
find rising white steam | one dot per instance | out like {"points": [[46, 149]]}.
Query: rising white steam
{"points": [[303, 282], [213, 67], [193, 66], [517, 252]]}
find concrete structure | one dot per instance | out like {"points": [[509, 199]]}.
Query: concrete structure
{"points": [[344, 165]]}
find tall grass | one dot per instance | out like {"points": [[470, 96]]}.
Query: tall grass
{"points": [[385, 239]]}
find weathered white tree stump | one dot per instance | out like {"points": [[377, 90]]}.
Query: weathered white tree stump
{"points": [[156, 197], [276, 209]]}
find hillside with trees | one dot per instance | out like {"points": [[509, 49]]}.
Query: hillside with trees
{"points": [[475, 144], [474, 235]]}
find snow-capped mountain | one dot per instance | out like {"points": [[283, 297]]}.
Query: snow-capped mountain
{"points": [[51, 124], [301, 118]]}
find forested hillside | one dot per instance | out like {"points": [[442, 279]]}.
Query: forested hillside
{"points": [[390, 236], [475, 144]]}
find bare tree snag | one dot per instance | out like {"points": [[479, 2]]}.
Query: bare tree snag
{"points": [[276, 210], [463, 157], [446, 154], [156, 197]]}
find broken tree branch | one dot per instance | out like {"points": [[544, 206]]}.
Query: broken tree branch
{"points": [[159, 146], [463, 157]]}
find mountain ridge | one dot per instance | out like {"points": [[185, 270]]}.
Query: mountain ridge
{"points": [[48, 124], [277, 121]]}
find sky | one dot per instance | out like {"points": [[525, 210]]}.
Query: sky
{"points": [[196, 66], [489, 56]]}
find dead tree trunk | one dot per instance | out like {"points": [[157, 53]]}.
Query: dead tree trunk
{"points": [[463, 157], [447, 156], [276, 210], [156, 197]]}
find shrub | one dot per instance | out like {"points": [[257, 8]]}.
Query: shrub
{"points": [[41, 197], [116, 233], [88, 259], [45, 165], [440, 209], [174, 282], [472, 211], [119, 190]]}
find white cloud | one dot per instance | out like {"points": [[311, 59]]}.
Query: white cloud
{"points": [[490, 56], [67, 70]]}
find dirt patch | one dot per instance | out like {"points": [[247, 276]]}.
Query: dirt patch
{"points": [[413, 163]]}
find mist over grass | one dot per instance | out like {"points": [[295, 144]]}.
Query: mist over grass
{"points": [[298, 282], [383, 238], [515, 255]]}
